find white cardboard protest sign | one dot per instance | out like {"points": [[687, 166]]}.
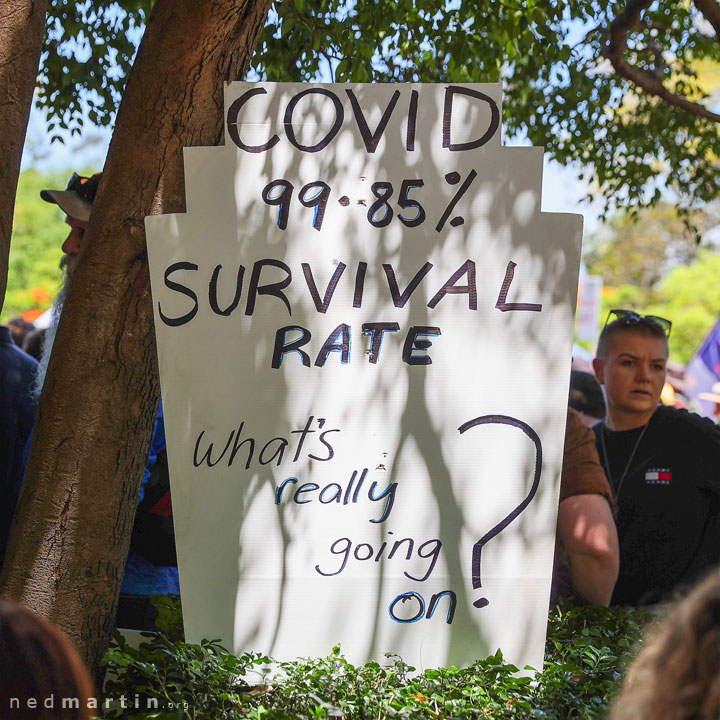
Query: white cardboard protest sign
{"points": [[364, 327]]}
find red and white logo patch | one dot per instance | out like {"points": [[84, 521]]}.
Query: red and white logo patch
{"points": [[658, 476]]}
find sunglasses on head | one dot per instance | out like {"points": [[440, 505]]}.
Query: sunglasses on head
{"points": [[630, 317], [85, 187]]}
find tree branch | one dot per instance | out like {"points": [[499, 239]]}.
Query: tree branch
{"points": [[711, 12], [21, 31], [617, 44]]}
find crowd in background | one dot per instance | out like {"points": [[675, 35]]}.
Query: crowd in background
{"points": [[27, 337]]}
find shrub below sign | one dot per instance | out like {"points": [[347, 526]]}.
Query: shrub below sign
{"points": [[166, 678]]}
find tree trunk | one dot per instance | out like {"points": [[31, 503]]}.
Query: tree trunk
{"points": [[72, 529], [22, 23]]}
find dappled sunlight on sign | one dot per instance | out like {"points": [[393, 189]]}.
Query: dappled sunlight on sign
{"points": [[364, 330]]}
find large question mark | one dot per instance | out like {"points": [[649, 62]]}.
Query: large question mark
{"points": [[477, 548]]}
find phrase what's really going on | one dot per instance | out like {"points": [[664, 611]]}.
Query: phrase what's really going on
{"points": [[292, 491], [293, 338], [334, 495]]}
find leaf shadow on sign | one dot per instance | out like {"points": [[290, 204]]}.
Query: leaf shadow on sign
{"points": [[501, 213]]}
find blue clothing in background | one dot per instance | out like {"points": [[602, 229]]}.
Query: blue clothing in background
{"points": [[141, 576], [144, 578], [17, 414]]}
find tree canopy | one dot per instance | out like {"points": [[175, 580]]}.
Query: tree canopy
{"points": [[624, 88], [689, 296], [655, 264], [88, 52], [642, 253]]}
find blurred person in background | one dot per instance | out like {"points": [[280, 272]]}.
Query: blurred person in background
{"points": [[41, 674], [586, 396], [19, 329], [586, 550], [713, 396], [34, 342], [676, 674], [17, 414]]}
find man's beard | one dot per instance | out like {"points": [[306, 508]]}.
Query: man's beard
{"points": [[67, 264]]}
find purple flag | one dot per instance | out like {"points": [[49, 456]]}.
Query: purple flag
{"points": [[703, 371]]}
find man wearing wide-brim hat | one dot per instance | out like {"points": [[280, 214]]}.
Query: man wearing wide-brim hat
{"points": [[76, 201]]}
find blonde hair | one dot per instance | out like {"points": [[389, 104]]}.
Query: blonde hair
{"points": [[676, 675]]}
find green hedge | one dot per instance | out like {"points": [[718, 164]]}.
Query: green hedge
{"points": [[586, 652]]}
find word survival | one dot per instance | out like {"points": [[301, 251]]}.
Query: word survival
{"points": [[462, 282]]}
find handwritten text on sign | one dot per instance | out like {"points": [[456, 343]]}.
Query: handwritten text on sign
{"points": [[363, 323]]}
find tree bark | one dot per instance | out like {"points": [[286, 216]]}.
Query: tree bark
{"points": [[72, 529], [22, 23]]}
